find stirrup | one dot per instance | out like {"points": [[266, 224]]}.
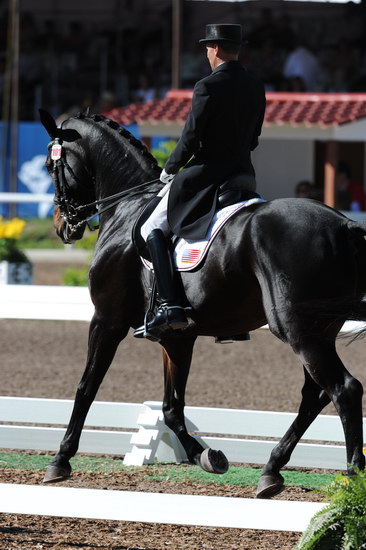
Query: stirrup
{"points": [[142, 331], [153, 333]]}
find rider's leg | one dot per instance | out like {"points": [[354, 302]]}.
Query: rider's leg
{"points": [[158, 219], [170, 315]]}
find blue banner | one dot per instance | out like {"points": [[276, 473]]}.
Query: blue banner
{"points": [[32, 176]]}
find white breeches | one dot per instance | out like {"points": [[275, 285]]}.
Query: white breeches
{"points": [[159, 217]]}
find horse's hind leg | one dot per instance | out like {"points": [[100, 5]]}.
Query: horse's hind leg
{"points": [[337, 385], [177, 356], [103, 342], [314, 399]]}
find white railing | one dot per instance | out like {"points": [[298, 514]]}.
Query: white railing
{"points": [[64, 303], [207, 511], [45, 302], [140, 434], [26, 197]]}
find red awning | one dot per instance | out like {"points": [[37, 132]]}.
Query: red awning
{"points": [[296, 109]]}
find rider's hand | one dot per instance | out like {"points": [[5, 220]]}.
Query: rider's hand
{"points": [[166, 178]]}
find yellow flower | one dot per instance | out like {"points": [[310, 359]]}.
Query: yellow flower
{"points": [[11, 229]]}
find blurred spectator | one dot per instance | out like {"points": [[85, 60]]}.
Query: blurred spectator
{"points": [[302, 69], [343, 64], [267, 62], [145, 91], [266, 29], [307, 190], [107, 101], [285, 37], [304, 190], [350, 195]]}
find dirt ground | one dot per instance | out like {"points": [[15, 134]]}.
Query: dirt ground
{"points": [[46, 359]]}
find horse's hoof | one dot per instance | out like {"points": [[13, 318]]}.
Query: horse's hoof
{"points": [[56, 473], [214, 462], [269, 485]]}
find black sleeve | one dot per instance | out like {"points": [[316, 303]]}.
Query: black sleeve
{"points": [[189, 141], [258, 128]]}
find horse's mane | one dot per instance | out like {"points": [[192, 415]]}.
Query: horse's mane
{"points": [[135, 143]]}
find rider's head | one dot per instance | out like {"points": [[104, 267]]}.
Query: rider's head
{"points": [[220, 52], [223, 43]]}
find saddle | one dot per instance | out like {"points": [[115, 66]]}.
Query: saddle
{"points": [[238, 188]]}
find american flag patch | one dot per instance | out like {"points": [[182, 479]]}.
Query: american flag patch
{"points": [[191, 255]]}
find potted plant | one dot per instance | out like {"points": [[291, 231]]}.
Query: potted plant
{"points": [[342, 524], [15, 268]]}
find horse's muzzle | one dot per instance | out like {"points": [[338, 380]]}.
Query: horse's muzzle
{"points": [[66, 231]]}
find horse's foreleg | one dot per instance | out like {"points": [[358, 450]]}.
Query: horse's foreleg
{"points": [[314, 399], [103, 342], [177, 356]]}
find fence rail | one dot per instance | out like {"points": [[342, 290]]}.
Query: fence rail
{"points": [[26, 197], [138, 432], [207, 511], [64, 303]]}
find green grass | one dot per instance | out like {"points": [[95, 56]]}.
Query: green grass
{"points": [[237, 475], [39, 233]]}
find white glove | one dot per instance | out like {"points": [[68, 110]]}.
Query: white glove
{"points": [[166, 178]]}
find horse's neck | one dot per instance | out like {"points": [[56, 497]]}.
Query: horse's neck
{"points": [[120, 166]]}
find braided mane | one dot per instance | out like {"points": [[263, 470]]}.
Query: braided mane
{"points": [[137, 144]]}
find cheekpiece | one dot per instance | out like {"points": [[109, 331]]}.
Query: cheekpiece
{"points": [[225, 32]]}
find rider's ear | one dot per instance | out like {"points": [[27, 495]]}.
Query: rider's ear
{"points": [[49, 123]]}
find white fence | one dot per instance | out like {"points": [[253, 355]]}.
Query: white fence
{"points": [[139, 432], [26, 197], [63, 303], [45, 302], [244, 513]]}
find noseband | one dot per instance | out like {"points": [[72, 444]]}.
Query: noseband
{"points": [[69, 209]]}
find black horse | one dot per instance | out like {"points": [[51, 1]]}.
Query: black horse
{"points": [[292, 263]]}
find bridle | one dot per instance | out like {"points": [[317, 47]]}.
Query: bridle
{"points": [[76, 215]]}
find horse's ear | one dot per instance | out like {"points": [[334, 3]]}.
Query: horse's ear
{"points": [[69, 134], [49, 123]]}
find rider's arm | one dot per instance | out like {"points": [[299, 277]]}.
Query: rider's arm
{"points": [[189, 142], [258, 128]]}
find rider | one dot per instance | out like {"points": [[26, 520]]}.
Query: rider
{"points": [[221, 130]]}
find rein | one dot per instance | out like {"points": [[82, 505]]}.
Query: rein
{"points": [[117, 196], [70, 211]]}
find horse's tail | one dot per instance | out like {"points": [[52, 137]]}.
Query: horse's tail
{"points": [[356, 309]]}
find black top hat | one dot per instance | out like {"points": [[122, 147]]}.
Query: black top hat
{"points": [[223, 33]]}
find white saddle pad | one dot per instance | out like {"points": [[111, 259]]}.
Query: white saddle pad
{"points": [[188, 255]]}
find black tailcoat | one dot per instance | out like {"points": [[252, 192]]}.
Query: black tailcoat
{"points": [[221, 130]]}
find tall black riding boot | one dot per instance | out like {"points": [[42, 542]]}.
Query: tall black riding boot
{"points": [[169, 315]]}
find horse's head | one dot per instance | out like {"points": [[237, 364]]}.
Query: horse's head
{"points": [[67, 164]]}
